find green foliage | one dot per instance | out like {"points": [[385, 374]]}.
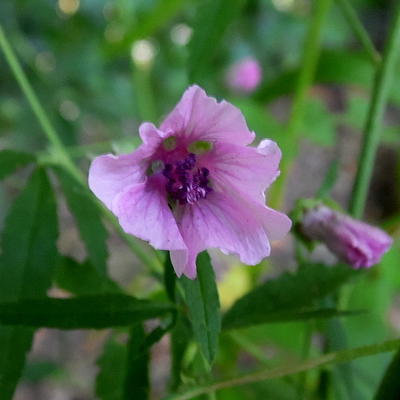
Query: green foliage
{"points": [[212, 20], [136, 382], [82, 279], [11, 160], [123, 368], [338, 67], [83, 312], [88, 219], [318, 125], [286, 297], [80, 98], [389, 387], [27, 263], [112, 362], [201, 297]]}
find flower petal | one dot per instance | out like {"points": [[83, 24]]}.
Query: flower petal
{"points": [[200, 117], [143, 211], [229, 223], [246, 169], [110, 174]]}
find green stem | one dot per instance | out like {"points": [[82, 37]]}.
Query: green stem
{"points": [[144, 92], [59, 152], [306, 76], [274, 373], [48, 129], [382, 84], [358, 29]]}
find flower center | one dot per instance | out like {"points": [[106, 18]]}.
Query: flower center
{"points": [[186, 183]]}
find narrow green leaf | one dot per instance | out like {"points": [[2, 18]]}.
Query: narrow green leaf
{"points": [[202, 300], [291, 369], [27, 262], [136, 382], [180, 338], [11, 160], [389, 388], [83, 279], [212, 20], [123, 368], [287, 295], [111, 363], [84, 312], [169, 278], [87, 217]]}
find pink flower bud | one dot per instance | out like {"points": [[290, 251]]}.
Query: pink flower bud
{"points": [[245, 75], [352, 241]]}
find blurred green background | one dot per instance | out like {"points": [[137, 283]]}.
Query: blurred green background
{"points": [[100, 68]]}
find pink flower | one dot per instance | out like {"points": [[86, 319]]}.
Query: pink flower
{"points": [[195, 184], [245, 75], [354, 242]]}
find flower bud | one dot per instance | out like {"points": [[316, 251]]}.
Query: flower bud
{"points": [[352, 241], [245, 75]]}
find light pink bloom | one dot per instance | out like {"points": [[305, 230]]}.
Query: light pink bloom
{"points": [[195, 184], [352, 241], [245, 75]]}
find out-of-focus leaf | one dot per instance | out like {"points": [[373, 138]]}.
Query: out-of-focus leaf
{"points": [[37, 371], [28, 258], [136, 382], [180, 337], [339, 67], [11, 160], [123, 368], [212, 20], [87, 217], [82, 279], [147, 25], [290, 369], [389, 388], [112, 363], [329, 180], [289, 293], [318, 125], [84, 312], [259, 119], [201, 296]]}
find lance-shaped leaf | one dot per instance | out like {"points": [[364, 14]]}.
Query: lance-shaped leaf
{"points": [[87, 217], [83, 278], [27, 262], [11, 160], [389, 388], [123, 369], [295, 293], [84, 312], [201, 295]]}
